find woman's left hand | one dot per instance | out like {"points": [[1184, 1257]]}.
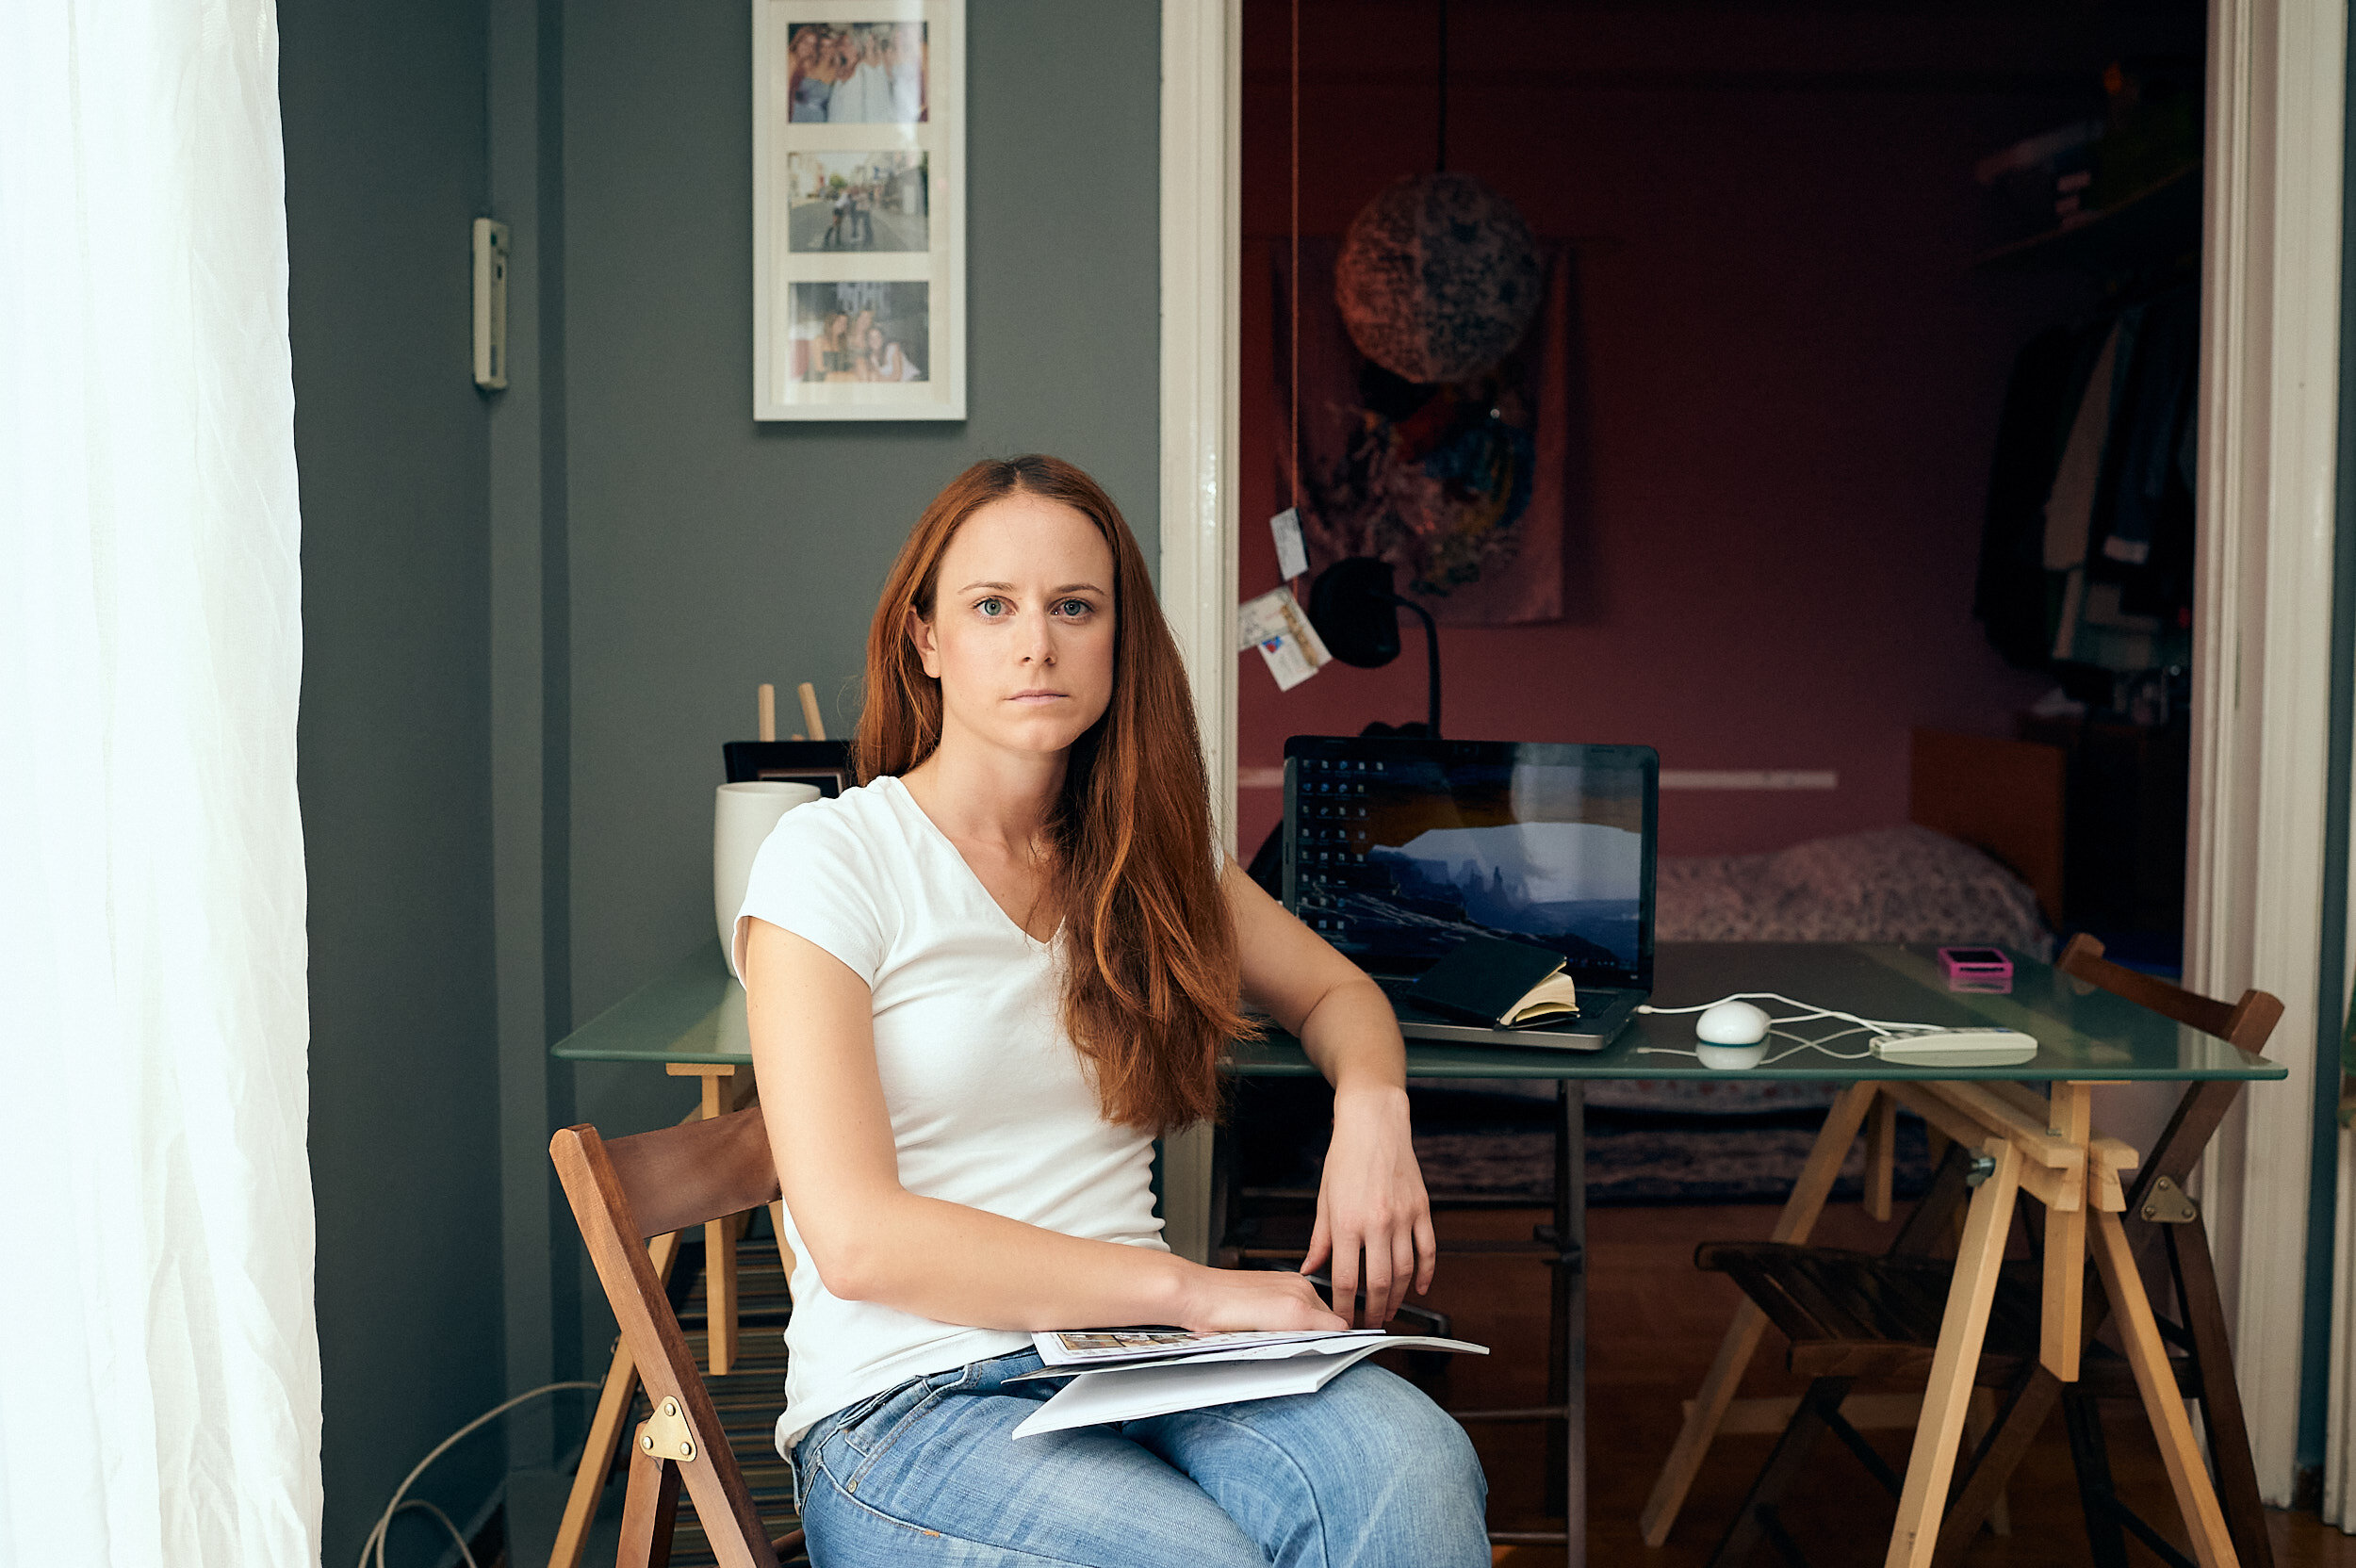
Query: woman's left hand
{"points": [[1372, 1205]]}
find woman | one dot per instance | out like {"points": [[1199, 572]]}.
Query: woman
{"points": [[862, 92], [864, 216], [887, 361], [808, 84], [904, 66], [855, 343], [978, 986], [835, 349]]}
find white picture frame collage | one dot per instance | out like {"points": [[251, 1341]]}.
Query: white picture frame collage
{"points": [[858, 209]]}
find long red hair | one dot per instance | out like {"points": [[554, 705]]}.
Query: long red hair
{"points": [[1150, 993]]}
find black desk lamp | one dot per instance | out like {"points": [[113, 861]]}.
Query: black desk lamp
{"points": [[1355, 609]]}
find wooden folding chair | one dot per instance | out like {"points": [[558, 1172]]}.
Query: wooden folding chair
{"points": [[623, 1193], [1854, 1317]]}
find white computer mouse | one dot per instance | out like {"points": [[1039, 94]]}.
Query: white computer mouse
{"points": [[1731, 1036], [1732, 1024]]}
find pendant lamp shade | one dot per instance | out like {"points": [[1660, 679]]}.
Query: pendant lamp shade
{"points": [[1438, 278]]}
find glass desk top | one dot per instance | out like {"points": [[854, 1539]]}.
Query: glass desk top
{"points": [[695, 1013]]}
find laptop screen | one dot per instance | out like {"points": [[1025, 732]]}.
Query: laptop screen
{"points": [[1395, 849]]}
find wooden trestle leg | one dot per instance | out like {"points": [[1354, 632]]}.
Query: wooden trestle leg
{"points": [[2187, 1472], [1961, 1332]]}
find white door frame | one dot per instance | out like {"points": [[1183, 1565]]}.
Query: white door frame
{"points": [[2270, 416], [1202, 258]]}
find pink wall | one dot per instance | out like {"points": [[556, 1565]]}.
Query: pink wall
{"points": [[1793, 377]]}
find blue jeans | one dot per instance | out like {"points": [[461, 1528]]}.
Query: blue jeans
{"points": [[1366, 1473]]}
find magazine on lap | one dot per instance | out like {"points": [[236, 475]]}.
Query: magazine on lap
{"points": [[1131, 1375]]}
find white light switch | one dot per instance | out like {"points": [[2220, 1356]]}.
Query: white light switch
{"points": [[490, 303]]}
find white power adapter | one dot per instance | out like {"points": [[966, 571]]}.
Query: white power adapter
{"points": [[1982, 1047]]}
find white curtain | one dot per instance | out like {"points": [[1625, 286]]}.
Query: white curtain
{"points": [[159, 1399]]}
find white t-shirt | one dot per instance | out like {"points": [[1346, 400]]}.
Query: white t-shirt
{"points": [[990, 1104]]}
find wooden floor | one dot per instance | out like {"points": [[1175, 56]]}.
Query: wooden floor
{"points": [[1654, 1321]]}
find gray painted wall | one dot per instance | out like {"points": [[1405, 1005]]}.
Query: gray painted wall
{"points": [[709, 553], [382, 108]]}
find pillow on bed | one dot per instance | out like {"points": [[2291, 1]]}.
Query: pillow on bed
{"points": [[1893, 885]]}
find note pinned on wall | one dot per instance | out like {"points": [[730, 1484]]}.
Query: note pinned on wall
{"points": [[1292, 556], [1276, 625]]}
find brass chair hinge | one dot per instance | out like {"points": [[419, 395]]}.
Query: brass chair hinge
{"points": [[665, 1434], [2166, 1204]]}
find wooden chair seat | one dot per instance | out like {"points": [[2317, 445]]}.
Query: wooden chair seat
{"points": [[1871, 1317], [1861, 1314]]}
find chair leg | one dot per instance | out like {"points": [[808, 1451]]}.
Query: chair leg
{"points": [[1786, 1549], [2109, 1522], [649, 1509], [2018, 1419], [1978, 1421], [2155, 1379], [1756, 1521], [1874, 1464], [605, 1432], [2106, 1544], [1928, 1224], [1800, 1212], [2220, 1395]]}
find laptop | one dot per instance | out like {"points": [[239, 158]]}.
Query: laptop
{"points": [[1397, 849]]}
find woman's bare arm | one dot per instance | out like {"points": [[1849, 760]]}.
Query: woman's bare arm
{"points": [[1371, 1205], [1343, 1018], [872, 1239]]}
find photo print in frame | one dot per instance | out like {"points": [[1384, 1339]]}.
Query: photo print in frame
{"points": [[858, 209]]}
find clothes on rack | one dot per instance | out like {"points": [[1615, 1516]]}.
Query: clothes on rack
{"points": [[2085, 551]]}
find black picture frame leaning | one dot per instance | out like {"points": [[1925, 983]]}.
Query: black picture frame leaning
{"points": [[825, 764]]}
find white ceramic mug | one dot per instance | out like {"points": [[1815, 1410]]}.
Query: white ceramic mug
{"points": [[741, 816]]}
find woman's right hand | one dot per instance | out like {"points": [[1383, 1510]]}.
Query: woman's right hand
{"points": [[1241, 1300]]}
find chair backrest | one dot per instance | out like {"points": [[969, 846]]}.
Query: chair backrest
{"points": [[647, 1186], [2246, 1023]]}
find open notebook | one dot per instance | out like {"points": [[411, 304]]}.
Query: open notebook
{"points": [[1131, 1374]]}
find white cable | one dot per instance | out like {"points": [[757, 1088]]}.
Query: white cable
{"points": [[1811, 1045], [375, 1542], [1803, 1045], [1799, 1042], [464, 1551], [1810, 1011], [1819, 1044]]}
